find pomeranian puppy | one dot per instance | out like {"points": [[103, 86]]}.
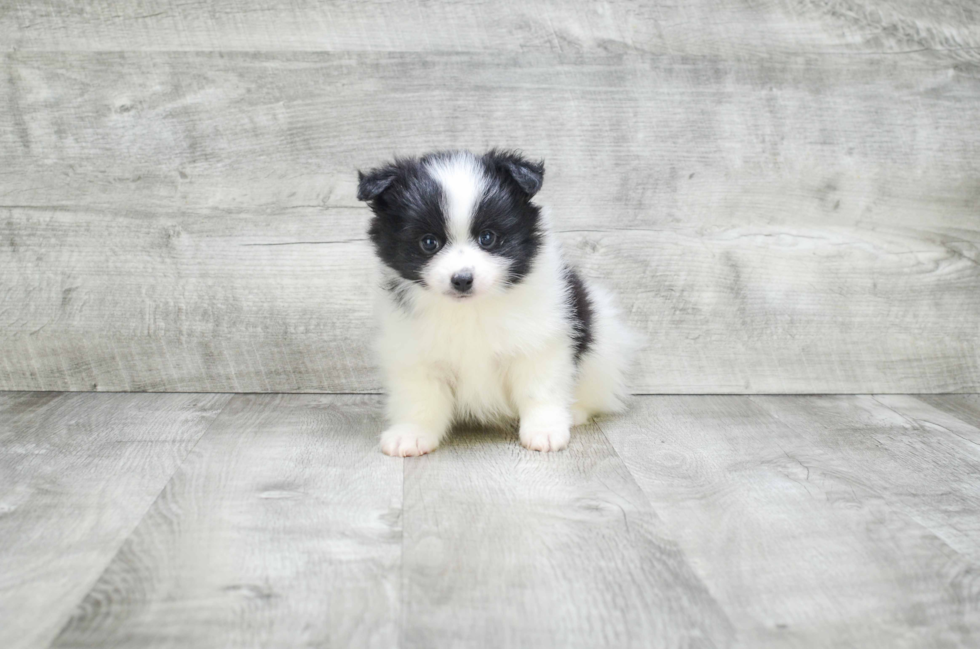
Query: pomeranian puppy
{"points": [[481, 318]]}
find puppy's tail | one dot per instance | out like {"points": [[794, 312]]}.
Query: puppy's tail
{"points": [[605, 368]]}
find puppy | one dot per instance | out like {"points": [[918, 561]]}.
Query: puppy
{"points": [[481, 318]]}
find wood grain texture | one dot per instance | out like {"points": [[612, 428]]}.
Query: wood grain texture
{"points": [[505, 547], [947, 28], [696, 521], [282, 529], [186, 221], [804, 540], [964, 406], [923, 461], [77, 472]]}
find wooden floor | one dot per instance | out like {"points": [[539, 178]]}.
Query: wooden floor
{"points": [[209, 520]]}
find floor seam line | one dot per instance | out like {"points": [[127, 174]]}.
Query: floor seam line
{"points": [[919, 425], [918, 397], [893, 506], [671, 538], [403, 591], [142, 516], [615, 452]]}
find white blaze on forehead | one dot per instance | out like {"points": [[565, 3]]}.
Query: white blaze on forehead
{"points": [[463, 184]]}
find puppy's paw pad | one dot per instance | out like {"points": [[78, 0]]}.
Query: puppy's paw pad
{"points": [[545, 439], [406, 440]]}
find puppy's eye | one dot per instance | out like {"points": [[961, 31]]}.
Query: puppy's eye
{"points": [[487, 238], [429, 244]]}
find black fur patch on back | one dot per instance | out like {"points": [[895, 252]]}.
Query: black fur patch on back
{"points": [[581, 311]]}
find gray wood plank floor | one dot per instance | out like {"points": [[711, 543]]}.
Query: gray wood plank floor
{"points": [[195, 520], [76, 476]]}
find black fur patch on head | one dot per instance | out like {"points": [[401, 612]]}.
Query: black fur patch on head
{"points": [[406, 202], [581, 310], [526, 174], [371, 184], [506, 209], [398, 291]]}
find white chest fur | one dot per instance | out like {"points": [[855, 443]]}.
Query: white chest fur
{"points": [[472, 346]]}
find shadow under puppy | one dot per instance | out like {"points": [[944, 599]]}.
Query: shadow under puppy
{"points": [[481, 318]]}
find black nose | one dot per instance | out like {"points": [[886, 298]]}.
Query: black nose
{"points": [[463, 281]]}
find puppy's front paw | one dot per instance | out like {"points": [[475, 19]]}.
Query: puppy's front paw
{"points": [[408, 440], [547, 437]]}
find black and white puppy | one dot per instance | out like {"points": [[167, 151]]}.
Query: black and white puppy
{"points": [[481, 319]]}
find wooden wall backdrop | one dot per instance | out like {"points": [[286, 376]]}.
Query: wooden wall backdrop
{"points": [[785, 193]]}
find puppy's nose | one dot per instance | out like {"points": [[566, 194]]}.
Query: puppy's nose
{"points": [[463, 281]]}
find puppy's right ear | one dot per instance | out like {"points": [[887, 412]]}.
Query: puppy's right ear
{"points": [[373, 183]]}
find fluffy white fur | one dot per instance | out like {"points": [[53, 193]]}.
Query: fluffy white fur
{"points": [[505, 353]]}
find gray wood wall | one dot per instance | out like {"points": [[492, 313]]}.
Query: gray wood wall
{"points": [[785, 194]]}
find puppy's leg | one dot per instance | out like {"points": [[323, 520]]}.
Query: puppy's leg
{"points": [[580, 415], [420, 409], [541, 386]]}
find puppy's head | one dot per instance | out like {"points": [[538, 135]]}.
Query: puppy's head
{"points": [[454, 223]]}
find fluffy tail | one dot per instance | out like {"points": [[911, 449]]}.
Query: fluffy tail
{"points": [[605, 368]]}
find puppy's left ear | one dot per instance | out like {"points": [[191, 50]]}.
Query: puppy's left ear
{"points": [[373, 183], [528, 175]]}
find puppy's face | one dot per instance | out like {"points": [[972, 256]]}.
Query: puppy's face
{"points": [[454, 223]]}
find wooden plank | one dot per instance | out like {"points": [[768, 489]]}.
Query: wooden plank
{"points": [[77, 472], [189, 303], [505, 547], [920, 460], [964, 406], [803, 542], [727, 311], [713, 195], [948, 28], [764, 521], [282, 529], [262, 133]]}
